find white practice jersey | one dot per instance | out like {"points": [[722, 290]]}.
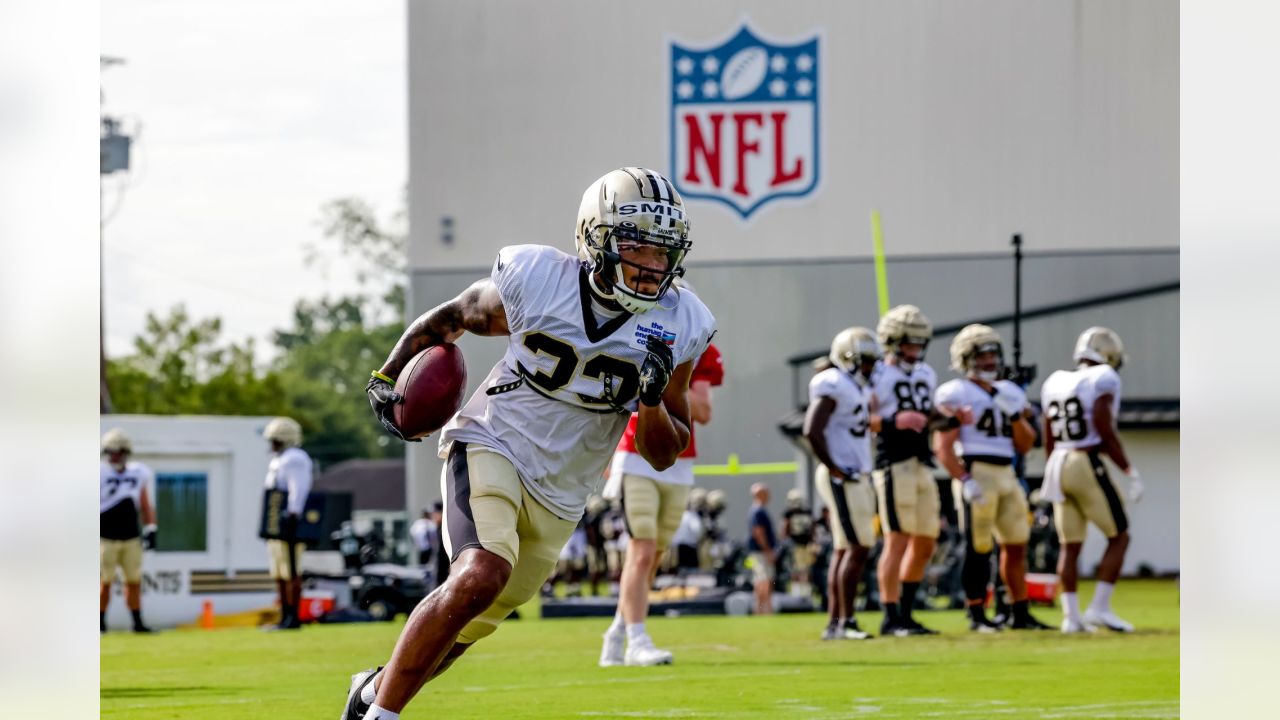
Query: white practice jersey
{"points": [[559, 400], [991, 432], [848, 432], [1067, 398], [116, 487], [290, 470]]}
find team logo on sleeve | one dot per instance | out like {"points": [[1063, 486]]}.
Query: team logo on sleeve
{"points": [[744, 120]]}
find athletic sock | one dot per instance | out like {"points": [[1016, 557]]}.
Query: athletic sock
{"points": [[908, 600], [379, 713], [635, 632], [1021, 610], [977, 613], [1102, 597], [892, 613], [1071, 606], [102, 622], [369, 693], [618, 624], [137, 618]]}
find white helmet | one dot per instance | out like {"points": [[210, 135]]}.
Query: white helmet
{"points": [[970, 341], [285, 431], [716, 500], [697, 499], [631, 205], [904, 323], [1101, 345], [114, 440], [853, 346]]}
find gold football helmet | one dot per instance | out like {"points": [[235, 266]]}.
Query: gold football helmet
{"points": [[853, 346], [1101, 345], [285, 431], [631, 206], [114, 440], [904, 323], [970, 341]]}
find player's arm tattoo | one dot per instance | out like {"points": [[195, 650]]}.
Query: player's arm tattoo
{"points": [[477, 310]]}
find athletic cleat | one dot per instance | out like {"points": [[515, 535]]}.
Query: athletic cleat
{"points": [[888, 628], [915, 628], [356, 708], [832, 632], [1028, 623], [642, 653], [984, 626], [1069, 627], [611, 654], [142, 629], [851, 631], [1108, 620]]}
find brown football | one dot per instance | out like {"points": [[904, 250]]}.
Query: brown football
{"points": [[433, 384]]}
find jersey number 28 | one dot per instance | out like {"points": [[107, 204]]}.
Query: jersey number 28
{"points": [[1066, 419]]}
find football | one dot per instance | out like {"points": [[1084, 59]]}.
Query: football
{"points": [[433, 385], [744, 72]]}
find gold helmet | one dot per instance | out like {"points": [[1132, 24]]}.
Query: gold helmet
{"points": [[285, 431], [716, 500], [970, 341], [114, 440], [1101, 345], [904, 323], [795, 499], [631, 205], [596, 505], [852, 346], [697, 499]]}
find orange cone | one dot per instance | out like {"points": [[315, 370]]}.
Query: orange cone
{"points": [[206, 615]]}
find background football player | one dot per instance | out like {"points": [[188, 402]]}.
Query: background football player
{"points": [[907, 493], [592, 339], [989, 499], [838, 426], [1080, 408], [653, 502], [123, 495], [290, 470]]}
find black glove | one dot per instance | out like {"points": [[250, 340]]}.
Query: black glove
{"points": [[655, 373], [149, 537], [383, 398]]}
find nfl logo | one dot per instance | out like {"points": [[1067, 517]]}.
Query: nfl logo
{"points": [[744, 120]]}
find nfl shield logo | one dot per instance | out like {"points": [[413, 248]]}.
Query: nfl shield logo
{"points": [[744, 120]]}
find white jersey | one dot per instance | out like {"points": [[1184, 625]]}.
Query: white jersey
{"points": [[116, 487], [291, 470], [1067, 398], [897, 390], [991, 432], [559, 400], [848, 433]]}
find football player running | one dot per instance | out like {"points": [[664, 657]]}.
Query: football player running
{"points": [[908, 495], [592, 338], [1080, 408], [989, 499], [838, 426]]}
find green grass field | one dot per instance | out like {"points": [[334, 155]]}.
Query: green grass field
{"points": [[743, 667]]}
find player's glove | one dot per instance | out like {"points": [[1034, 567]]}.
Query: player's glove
{"points": [[383, 398], [1136, 488], [971, 489], [1008, 402], [149, 537], [656, 371]]}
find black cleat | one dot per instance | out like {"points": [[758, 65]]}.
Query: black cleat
{"points": [[983, 625], [1028, 622], [915, 628], [142, 629], [356, 708], [889, 628]]}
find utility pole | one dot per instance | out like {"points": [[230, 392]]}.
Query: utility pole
{"points": [[113, 156]]}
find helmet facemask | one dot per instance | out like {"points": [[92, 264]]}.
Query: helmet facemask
{"points": [[632, 223], [986, 375]]}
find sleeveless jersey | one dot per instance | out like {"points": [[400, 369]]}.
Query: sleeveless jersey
{"points": [[991, 432], [848, 432], [1067, 398], [556, 404], [120, 499]]}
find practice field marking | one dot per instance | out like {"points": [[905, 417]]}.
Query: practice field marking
{"points": [[646, 678]]}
